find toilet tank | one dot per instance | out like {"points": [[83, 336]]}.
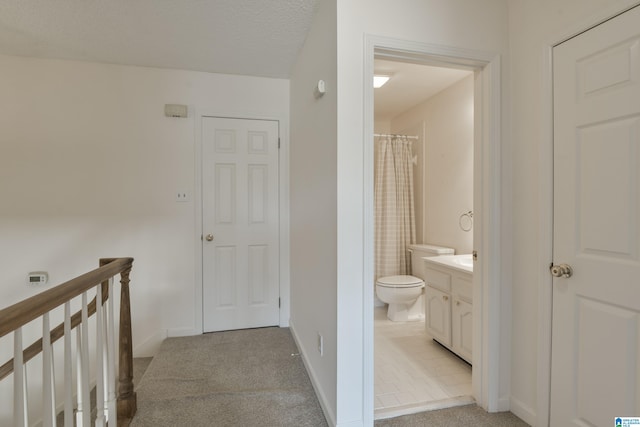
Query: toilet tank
{"points": [[420, 251]]}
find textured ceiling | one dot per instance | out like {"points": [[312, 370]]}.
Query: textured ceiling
{"points": [[410, 85], [248, 37]]}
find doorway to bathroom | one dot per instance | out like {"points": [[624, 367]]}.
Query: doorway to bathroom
{"points": [[424, 132], [491, 311]]}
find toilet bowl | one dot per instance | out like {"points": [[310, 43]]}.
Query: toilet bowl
{"points": [[403, 293]]}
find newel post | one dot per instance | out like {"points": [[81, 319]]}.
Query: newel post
{"points": [[127, 403]]}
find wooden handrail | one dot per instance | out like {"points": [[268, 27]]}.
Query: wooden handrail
{"points": [[56, 333], [18, 315]]}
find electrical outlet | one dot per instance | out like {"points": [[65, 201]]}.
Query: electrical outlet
{"points": [[182, 196], [320, 344]]}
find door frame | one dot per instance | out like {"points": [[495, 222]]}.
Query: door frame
{"points": [[491, 331], [545, 188], [283, 233]]}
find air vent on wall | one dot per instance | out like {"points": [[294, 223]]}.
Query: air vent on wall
{"points": [[175, 110]]}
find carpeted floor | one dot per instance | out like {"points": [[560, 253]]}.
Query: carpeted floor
{"points": [[460, 416], [243, 378], [254, 377]]}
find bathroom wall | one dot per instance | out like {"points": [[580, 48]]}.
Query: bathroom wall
{"points": [[444, 173], [382, 126]]}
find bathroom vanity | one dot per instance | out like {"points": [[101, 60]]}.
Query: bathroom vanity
{"points": [[449, 302]]}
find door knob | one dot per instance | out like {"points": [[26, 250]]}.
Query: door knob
{"points": [[209, 237], [561, 270]]}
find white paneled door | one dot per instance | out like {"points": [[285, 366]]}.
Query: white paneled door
{"points": [[596, 311], [240, 220]]}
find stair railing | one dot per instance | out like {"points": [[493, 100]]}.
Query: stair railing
{"points": [[112, 407]]}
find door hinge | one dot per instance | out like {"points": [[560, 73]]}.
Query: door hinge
{"points": [[278, 143], [279, 302]]}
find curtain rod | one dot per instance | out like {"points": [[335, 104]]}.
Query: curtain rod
{"points": [[394, 134]]}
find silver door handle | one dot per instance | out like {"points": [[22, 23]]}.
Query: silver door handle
{"points": [[209, 237], [561, 270]]}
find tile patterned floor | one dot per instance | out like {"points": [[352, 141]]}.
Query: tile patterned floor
{"points": [[412, 372]]}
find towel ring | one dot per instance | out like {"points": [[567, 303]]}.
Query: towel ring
{"points": [[466, 221]]}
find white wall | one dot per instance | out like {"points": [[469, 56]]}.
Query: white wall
{"points": [[444, 173], [313, 204], [382, 126], [533, 26], [478, 25], [89, 167]]}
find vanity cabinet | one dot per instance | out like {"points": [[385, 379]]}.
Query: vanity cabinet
{"points": [[449, 308], [461, 329], [438, 315]]}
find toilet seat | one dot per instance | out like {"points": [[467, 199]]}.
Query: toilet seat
{"points": [[403, 281]]}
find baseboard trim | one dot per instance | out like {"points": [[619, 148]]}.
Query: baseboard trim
{"points": [[524, 412], [324, 404], [150, 346], [504, 404], [182, 332], [350, 424]]}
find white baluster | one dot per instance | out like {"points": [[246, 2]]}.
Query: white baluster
{"points": [[25, 395], [20, 416], [99, 360], [68, 373], [105, 360], [83, 416], [105, 355], [79, 396], [54, 408], [112, 416], [48, 398]]}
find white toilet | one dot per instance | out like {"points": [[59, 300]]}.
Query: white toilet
{"points": [[404, 293]]}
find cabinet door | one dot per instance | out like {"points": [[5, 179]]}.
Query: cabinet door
{"points": [[438, 315], [462, 327]]}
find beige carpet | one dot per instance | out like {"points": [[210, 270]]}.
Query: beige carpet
{"points": [[251, 378], [238, 378], [460, 416]]}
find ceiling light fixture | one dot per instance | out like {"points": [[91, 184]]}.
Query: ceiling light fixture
{"points": [[379, 80]]}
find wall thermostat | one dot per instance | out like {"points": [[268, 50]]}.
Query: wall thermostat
{"points": [[38, 278]]}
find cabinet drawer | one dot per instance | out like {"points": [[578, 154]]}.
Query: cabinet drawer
{"points": [[463, 288], [438, 279]]}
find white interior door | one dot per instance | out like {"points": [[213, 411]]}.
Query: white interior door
{"points": [[596, 312], [241, 287]]}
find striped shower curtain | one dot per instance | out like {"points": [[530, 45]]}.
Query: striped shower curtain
{"points": [[394, 207]]}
